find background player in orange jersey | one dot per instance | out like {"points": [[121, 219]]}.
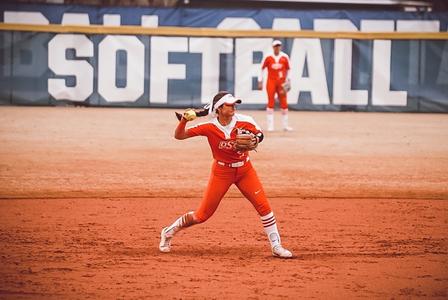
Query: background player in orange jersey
{"points": [[277, 82], [231, 166]]}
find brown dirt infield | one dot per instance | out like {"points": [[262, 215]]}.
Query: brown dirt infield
{"points": [[360, 198]]}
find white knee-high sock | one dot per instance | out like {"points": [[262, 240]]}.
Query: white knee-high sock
{"points": [[270, 118], [270, 227], [183, 221], [285, 117]]}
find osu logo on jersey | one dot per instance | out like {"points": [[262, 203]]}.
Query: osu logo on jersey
{"points": [[230, 144], [277, 66]]}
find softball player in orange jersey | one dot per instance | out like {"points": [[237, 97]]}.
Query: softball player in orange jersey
{"points": [[277, 65], [230, 167]]}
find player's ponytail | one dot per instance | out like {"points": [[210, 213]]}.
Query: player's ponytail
{"points": [[209, 108]]}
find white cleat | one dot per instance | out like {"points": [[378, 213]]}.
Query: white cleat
{"points": [[287, 128], [271, 129], [279, 251], [165, 241]]}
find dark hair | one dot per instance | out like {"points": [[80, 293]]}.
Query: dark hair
{"points": [[218, 96]]}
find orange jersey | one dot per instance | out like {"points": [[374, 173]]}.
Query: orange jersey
{"points": [[222, 138], [277, 66]]}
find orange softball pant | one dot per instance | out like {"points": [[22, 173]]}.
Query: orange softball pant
{"points": [[221, 178], [275, 87]]}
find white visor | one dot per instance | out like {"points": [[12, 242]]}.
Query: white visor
{"points": [[226, 99], [276, 43]]}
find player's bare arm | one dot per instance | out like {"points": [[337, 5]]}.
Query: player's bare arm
{"points": [[180, 133]]}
